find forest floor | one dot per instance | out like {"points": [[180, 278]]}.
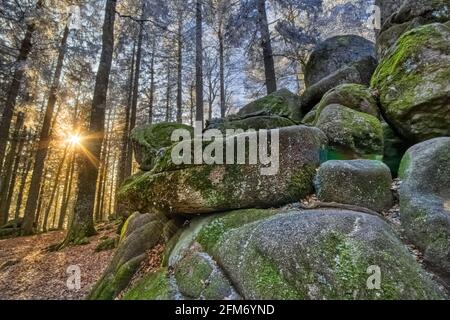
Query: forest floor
{"points": [[29, 271]]}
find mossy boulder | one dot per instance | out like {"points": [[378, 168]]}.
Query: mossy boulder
{"points": [[363, 183], [255, 122], [136, 238], [321, 254], [335, 53], [425, 201], [206, 188], [281, 103], [413, 83], [410, 15], [359, 72], [351, 133], [354, 96], [148, 140], [288, 254], [153, 286]]}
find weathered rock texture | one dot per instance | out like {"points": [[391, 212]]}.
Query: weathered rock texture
{"points": [[425, 200], [364, 183], [200, 189], [413, 83]]}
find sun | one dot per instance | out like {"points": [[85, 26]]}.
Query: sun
{"points": [[74, 139]]}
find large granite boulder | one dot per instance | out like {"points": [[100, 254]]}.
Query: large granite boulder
{"points": [[289, 254], [140, 233], [149, 140], [363, 183], [335, 53], [354, 96], [256, 122], [413, 83], [351, 134], [281, 103], [359, 72], [204, 188], [412, 14], [425, 200]]}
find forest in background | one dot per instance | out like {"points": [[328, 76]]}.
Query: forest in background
{"points": [[77, 76]]}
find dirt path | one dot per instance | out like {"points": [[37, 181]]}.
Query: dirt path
{"points": [[31, 272]]}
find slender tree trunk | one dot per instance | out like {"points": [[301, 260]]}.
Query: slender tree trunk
{"points": [[7, 176], [266, 45], [44, 141], [82, 223], [199, 62], [133, 111], [168, 91], [152, 85], [124, 169], [40, 200], [23, 181], [191, 92], [111, 189], [222, 72], [55, 210], [103, 168], [66, 190], [180, 69], [54, 189], [14, 87], [12, 184]]}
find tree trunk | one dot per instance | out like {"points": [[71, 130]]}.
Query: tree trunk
{"points": [[18, 158], [44, 141], [180, 70], [152, 84], [82, 223], [266, 45], [7, 175], [168, 91], [67, 190], [14, 87], [133, 111], [222, 72], [199, 63], [23, 181], [54, 189], [124, 169]]}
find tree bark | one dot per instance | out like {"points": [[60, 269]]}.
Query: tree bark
{"points": [[168, 91], [24, 175], [133, 111], [44, 141], [66, 190], [266, 45], [180, 69], [124, 169], [152, 84], [14, 87], [222, 72], [18, 158], [199, 63], [7, 176], [82, 223], [54, 189]]}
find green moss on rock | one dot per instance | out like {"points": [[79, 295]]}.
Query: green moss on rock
{"points": [[413, 83], [154, 286]]}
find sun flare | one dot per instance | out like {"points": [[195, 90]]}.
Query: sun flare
{"points": [[74, 139]]}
